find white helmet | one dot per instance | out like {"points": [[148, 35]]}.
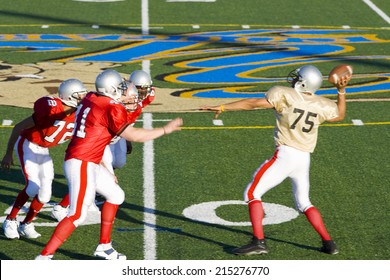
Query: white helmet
{"points": [[71, 91], [110, 83], [305, 79], [142, 81]]}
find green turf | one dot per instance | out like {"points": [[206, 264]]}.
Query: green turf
{"points": [[349, 182], [350, 167]]}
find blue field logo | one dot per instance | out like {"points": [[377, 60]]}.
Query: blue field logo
{"points": [[225, 64]]}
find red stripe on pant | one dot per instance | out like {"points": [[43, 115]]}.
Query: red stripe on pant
{"points": [[82, 190], [22, 197], [21, 158], [259, 174], [65, 228]]}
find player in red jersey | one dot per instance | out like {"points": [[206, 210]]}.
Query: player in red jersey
{"points": [[142, 83], [141, 94], [115, 154], [146, 93], [51, 124], [100, 117]]}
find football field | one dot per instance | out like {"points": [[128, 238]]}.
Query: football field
{"points": [[184, 192]]}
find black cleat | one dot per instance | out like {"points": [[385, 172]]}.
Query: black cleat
{"points": [[256, 247], [329, 247]]}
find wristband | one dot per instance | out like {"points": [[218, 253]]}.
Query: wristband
{"points": [[222, 108], [341, 93]]}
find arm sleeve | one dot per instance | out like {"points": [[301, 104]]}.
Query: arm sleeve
{"points": [[332, 111], [275, 97], [149, 99], [118, 119], [41, 112]]}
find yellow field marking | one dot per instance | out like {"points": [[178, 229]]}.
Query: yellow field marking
{"points": [[251, 127], [225, 127], [270, 126]]}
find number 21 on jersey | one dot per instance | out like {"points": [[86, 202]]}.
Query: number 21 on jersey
{"points": [[81, 129]]}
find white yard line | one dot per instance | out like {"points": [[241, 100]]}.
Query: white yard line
{"points": [[148, 168], [146, 66], [358, 122], [145, 16], [377, 10], [149, 194]]}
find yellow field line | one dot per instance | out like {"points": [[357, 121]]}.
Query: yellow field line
{"points": [[269, 126], [251, 127], [224, 127]]}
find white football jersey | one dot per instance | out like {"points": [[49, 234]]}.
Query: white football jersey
{"points": [[298, 116]]}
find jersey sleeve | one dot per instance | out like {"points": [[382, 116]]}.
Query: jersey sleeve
{"points": [[132, 116], [149, 99], [276, 98], [118, 119], [43, 108], [330, 111]]}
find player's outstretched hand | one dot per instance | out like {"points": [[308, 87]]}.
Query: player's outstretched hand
{"points": [[217, 109], [173, 125]]}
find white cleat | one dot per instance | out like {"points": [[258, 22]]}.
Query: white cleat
{"points": [[10, 228], [59, 213], [43, 258], [105, 251], [28, 230]]}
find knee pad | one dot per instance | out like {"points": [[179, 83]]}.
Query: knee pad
{"points": [[44, 193], [116, 197], [32, 189]]}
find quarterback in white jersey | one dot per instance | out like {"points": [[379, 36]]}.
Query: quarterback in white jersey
{"points": [[299, 112]]}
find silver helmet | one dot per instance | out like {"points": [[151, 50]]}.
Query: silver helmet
{"points": [[110, 83], [142, 82], [130, 98], [305, 79], [71, 91]]}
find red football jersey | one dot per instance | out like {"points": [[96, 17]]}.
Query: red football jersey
{"points": [[98, 119], [52, 125], [149, 99], [132, 116]]}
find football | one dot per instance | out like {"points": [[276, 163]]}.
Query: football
{"points": [[338, 72]]}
